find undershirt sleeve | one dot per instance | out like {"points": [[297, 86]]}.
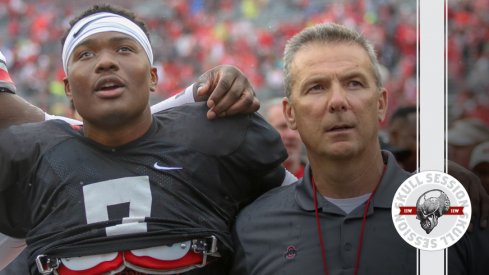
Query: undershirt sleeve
{"points": [[10, 248], [66, 119], [187, 96]]}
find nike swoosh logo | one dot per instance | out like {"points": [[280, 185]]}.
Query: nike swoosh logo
{"points": [[165, 167]]}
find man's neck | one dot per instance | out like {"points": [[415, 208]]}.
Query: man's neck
{"points": [[347, 178], [120, 135]]}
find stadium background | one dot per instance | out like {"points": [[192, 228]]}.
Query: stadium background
{"points": [[192, 36]]}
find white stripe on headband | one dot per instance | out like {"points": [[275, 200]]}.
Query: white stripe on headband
{"points": [[103, 22]]}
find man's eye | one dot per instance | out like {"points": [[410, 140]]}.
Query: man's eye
{"points": [[315, 88], [355, 84], [125, 49], [85, 54]]}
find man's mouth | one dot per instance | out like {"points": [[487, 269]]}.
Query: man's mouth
{"points": [[338, 128], [109, 87]]}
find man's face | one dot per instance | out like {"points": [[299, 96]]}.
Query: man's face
{"points": [[109, 79], [335, 103], [290, 138]]}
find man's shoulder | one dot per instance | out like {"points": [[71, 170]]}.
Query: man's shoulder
{"points": [[34, 138], [38, 130], [273, 201]]}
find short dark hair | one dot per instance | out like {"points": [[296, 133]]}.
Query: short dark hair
{"points": [[106, 8]]}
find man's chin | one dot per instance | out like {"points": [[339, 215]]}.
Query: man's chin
{"points": [[343, 153]]}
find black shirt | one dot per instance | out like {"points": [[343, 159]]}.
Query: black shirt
{"points": [[186, 177]]}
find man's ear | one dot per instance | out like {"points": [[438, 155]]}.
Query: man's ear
{"points": [[289, 113], [382, 105], [154, 79], [67, 89]]}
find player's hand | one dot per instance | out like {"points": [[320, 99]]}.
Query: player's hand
{"points": [[227, 90], [478, 195]]}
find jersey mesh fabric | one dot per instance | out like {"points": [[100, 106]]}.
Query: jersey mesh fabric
{"points": [[185, 178]]}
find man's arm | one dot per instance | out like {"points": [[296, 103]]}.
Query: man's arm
{"points": [[226, 89], [15, 110]]}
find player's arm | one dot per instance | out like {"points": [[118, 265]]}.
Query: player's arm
{"points": [[226, 89], [14, 109], [261, 152], [10, 247]]}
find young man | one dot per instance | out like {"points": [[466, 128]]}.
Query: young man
{"points": [[230, 94], [337, 219], [129, 191]]}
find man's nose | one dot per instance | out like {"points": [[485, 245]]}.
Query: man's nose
{"points": [[338, 99], [106, 61]]}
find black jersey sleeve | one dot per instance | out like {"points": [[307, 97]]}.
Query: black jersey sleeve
{"points": [[16, 158], [245, 142], [262, 153], [21, 148]]}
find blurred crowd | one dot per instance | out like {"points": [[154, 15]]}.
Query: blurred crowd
{"points": [[192, 36]]}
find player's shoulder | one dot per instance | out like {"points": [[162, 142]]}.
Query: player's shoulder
{"points": [[188, 125], [40, 129], [196, 115], [37, 133]]}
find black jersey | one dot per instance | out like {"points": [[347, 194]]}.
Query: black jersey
{"points": [[186, 177]]}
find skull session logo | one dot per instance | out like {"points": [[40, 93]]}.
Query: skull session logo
{"points": [[431, 210]]}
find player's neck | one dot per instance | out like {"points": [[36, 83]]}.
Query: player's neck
{"points": [[117, 135]]}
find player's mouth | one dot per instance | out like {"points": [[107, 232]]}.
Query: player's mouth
{"points": [[109, 87]]}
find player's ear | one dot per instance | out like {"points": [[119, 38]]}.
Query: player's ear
{"points": [[67, 88], [289, 113], [153, 79]]}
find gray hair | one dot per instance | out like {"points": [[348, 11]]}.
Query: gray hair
{"points": [[327, 33]]}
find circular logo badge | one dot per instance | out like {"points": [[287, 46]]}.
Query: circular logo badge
{"points": [[431, 210]]}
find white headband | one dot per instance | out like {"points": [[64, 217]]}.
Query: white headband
{"points": [[103, 22]]}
